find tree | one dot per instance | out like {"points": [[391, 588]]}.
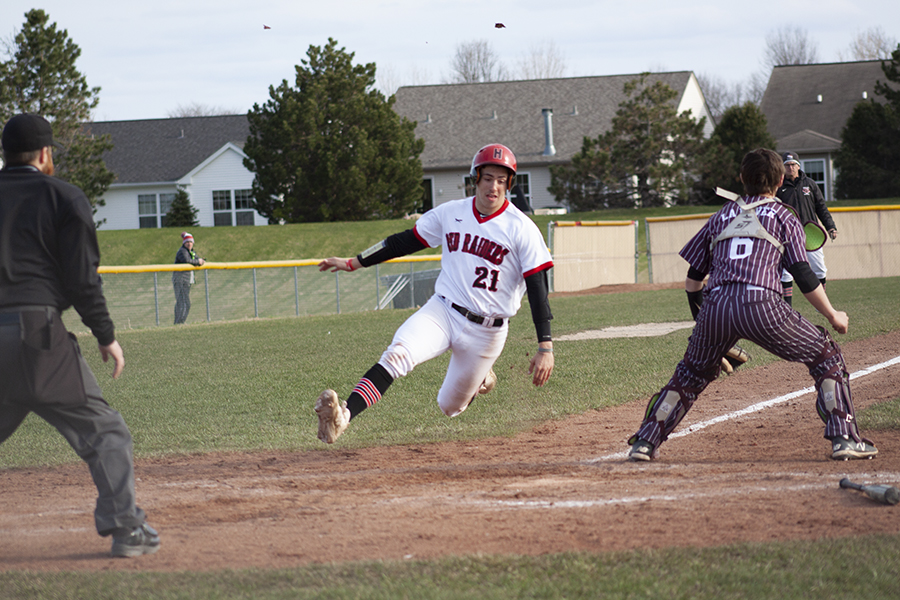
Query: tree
{"points": [[870, 143], [790, 46], [196, 109], [645, 159], [182, 213], [476, 62], [331, 147], [784, 46], [871, 44], [719, 95], [543, 61], [739, 130], [40, 77]]}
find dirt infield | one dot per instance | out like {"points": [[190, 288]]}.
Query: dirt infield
{"points": [[564, 486]]}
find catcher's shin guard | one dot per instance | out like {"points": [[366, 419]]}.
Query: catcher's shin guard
{"points": [[664, 412], [834, 403]]}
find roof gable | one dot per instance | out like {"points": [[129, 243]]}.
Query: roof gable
{"points": [[792, 102], [457, 119], [166, 150]]}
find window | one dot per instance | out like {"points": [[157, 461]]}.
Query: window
{"points": [[165, 203], [427, 194], [243, 207], [524, 182], [815, 170], [147, 211], [222, 208], [469, 182], [240, 213]]}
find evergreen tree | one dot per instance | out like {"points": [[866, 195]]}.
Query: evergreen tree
{"points": [[740, 130], [868, 162], [40, 77], [647, 158], [182, 213], [331, 147]]}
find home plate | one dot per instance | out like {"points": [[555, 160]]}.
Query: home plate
{"points": [[642, 330]]}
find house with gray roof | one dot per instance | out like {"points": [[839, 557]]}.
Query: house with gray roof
{"points": [[152, 158], [807, 106], [543, 121]]}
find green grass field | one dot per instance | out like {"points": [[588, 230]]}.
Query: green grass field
{"points": [[253, 383]]}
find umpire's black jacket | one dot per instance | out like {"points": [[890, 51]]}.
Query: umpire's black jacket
{"points": [[48, 248], [804, 196]]}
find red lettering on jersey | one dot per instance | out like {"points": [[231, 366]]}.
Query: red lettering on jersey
{"points": [[453, 241]]}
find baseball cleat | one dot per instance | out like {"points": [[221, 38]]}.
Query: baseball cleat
{"points": [[844, 448], [641, 451], [489, 382], [138, 541], [334, 416]]}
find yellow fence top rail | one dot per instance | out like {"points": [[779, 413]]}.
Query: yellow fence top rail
{"points": [[591, 223], [679, 218], [865, 208], [267, 264]]}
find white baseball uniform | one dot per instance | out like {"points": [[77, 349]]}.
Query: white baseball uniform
{"points": [[484, 262]]}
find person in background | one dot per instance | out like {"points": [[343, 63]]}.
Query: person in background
{"points": [[803, 196], [183, 280]]}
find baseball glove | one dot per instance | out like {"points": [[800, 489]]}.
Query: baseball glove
{"points": [[734, 358]]}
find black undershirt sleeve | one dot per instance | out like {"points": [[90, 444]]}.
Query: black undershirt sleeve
{"points": [[695, 299], [695, 274], [538, 297], [804, 277], [393, 246]]}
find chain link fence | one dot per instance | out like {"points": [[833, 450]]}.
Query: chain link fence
{"points": [[142, 297]]}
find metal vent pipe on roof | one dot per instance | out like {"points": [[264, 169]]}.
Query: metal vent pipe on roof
{"points": [[549, 148]]}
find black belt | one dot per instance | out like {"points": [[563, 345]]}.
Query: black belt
{"points": [[475, 317]]}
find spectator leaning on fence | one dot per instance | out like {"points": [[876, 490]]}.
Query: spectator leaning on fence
{"points": [[48, 262], [183, 280]]}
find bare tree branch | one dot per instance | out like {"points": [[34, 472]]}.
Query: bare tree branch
{"points": [[197, 109], [476, 62], [872, 44], [544, 61], [789, 46]]}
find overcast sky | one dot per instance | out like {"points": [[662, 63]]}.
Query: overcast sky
{"points": [[151, 57]]}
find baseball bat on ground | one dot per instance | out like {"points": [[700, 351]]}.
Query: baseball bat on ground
{"points": [[880, 493]]}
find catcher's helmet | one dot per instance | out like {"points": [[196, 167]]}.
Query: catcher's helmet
{"points": [[494, 154]]}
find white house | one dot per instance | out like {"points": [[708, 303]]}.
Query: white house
{"points": [[543, 121], [152, 158]]}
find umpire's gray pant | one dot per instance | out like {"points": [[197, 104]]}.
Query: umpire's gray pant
{"points": [[96, 431]]}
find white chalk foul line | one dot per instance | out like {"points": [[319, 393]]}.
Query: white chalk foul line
{"points": [[754, 408]]}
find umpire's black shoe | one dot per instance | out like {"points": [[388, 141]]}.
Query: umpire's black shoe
{"points": [[138, 541], [845, 448]]}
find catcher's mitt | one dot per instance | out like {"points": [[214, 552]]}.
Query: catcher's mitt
{"points": [[734, 358]]}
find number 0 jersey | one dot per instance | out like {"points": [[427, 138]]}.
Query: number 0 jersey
{"points": [[484, 260], [747, 260]]}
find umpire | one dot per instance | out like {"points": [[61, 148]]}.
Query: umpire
{"points": [[48, 262]]}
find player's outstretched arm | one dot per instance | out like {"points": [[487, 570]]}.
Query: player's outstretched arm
{"points": [[838, 318], [339, 264], [542, 364]]}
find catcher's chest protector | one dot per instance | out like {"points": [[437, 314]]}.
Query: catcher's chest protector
{"points": [[746, 224]]}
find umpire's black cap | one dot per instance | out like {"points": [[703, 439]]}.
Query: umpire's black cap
{"points": [[26, 132]]}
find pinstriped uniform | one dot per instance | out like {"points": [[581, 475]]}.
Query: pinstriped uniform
{"points": [[742, 300]]}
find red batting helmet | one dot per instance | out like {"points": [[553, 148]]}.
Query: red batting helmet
{"points": [[494, 154]]}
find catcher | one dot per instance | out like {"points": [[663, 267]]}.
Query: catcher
{"points": [[743, 248]]}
